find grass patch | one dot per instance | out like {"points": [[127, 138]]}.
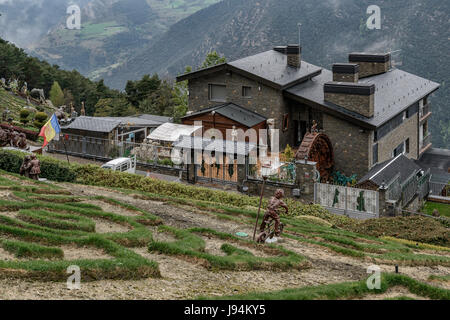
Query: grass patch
{"points": [[346, 290], [31, 250], [444, 209], [192, 247]]}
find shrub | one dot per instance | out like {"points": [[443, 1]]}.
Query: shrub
{"points": [[39, 119], [51, 169], [24, 113]]}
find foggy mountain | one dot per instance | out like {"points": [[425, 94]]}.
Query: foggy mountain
{"points": [[24, 22]]}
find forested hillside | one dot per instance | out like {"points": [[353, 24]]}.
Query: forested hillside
{"points": [[330, 30], [16, 64]]}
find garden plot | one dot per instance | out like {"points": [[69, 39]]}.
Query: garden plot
{"points": [[175, 248]]}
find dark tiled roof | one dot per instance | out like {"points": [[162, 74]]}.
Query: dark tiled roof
{"points": [[160, 119], [269, 67], [386, 171], [234, 112], [438, 161], [108, 124], [93, 124], [395, 91], [134, 121], [272, 66]]}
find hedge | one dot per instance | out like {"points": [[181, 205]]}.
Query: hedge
{"points": [[51, 169]]}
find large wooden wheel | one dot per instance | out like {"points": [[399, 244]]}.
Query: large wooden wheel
{"points": [[317, 147]]}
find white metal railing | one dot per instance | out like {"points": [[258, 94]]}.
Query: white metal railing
{"points": [[439, 190]]}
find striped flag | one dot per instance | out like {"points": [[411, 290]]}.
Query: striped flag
{"points": [[50, 130]]}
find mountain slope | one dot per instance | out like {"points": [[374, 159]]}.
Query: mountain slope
{"points": [[112, 30], [330, 30]]}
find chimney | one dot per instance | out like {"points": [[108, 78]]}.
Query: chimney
{"points": [[370, 64], [356, 97], [294, 58], [346, 72], [280, 49], [293, 52]]}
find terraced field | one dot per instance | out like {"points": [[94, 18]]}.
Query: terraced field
{"points": [[135, 245]]}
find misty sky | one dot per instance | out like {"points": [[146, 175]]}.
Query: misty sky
{"points": [[25, 21]]}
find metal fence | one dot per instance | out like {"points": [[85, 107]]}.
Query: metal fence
{"points": [[286, 173], [352, 202], [97, 148], [439, 190]]}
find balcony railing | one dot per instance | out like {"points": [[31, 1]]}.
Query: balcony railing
{"points": [[424, 111], [425, 142]]}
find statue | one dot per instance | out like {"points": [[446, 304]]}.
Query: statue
{"points": [[83, 110], [314, 126], [73, 113], [5, 114], [38, 94], [13, 85], [22, 141], [272, 213], [24, 168], [9, 137], [24, 89], [35, 167], [4, 137], [60, 115]]}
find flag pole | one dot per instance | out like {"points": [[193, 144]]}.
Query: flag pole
{"points": [[64, 142], [65, 149]]}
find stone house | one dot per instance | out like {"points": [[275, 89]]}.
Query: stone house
{"points": [[370, 111]]}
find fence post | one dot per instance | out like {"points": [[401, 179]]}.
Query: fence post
{"points": [[346, 200]]}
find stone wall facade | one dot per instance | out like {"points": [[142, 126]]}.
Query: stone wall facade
{"points": [[407, 130], [264, 100], [346, 77], [367, 69], [351, 145], [362, 104]]}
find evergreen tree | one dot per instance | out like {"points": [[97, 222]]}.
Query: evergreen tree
{"points": [[56, 95], [212, 59]]}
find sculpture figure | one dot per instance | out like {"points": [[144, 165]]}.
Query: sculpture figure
{"points": [[35, 167], [314, 126], [21, 141], [39, 94], [271, 213], [4, 137], [24, 168], [5, 114]]}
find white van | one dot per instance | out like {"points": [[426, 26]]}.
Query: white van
{"points": [[122, 165]]}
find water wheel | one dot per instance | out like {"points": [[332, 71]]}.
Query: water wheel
{"points": [[317, 147]]}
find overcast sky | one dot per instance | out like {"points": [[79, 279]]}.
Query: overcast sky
{"points": [[26, 21]]}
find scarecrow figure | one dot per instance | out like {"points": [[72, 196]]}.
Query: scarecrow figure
{"points": [[271, 212]]}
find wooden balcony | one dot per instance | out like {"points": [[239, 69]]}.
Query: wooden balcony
{"points": [[424, 113], [425, 144]]}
